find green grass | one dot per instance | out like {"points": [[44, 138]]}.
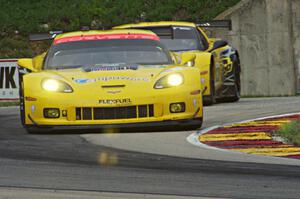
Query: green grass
{"points": [[6, 104], [291, 132]]}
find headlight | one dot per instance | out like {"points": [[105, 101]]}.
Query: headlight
{"points": [[54, 85], [169, 81]]}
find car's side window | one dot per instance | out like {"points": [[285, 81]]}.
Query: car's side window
{"points": [[202, 40]]}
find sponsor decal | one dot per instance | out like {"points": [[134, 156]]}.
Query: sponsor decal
{"points": [[114, 91], [9, 79], [110, 78], [227, 52], [83, 81], [109, 67], [181, 28], [105, 79], [115, 101], [106, 37]]}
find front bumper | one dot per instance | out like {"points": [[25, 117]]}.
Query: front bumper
{"points": [[160, 100], [187, 124]]}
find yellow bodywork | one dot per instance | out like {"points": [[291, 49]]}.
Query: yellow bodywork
{"points": [[203, 58], [108, 89]]}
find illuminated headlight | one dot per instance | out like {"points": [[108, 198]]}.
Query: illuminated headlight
{"points": [[175, 80], [50, 85], [54, 85], [169, 81]]}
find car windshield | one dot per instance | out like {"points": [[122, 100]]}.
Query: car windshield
{"points": [[109, 52], [177, 38]]}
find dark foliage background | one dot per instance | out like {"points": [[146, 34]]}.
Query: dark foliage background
{"points": [[18, 18]]}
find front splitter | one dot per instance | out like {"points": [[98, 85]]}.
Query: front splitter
{"points": [[187, 124]]}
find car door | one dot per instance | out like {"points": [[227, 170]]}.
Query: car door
{"points": [[207, 45]]}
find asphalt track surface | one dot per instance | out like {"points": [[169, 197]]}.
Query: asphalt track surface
{"points": [[71, 165]]}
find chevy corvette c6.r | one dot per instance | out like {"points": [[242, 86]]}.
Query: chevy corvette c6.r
{"points": [[109, 79], [220, 75]]}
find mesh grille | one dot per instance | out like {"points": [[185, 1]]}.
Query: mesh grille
{"points": [[110, 113]]}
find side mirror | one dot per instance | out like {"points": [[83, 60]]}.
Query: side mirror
{"points": [[219, 44], [187, 59], [27, 63]]}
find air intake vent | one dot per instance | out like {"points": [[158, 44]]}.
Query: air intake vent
{"points": [[111, 113]]}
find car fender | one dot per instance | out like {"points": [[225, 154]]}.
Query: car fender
{"points": [[38, 61], [203, 62]]}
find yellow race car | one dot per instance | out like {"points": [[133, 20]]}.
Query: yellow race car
{"points": [[109, 79], [218, 62]]}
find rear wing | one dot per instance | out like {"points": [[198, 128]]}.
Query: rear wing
{"points": [[215, 24], [44, 36]]}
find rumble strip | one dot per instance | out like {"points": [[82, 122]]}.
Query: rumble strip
{"points": [[252, 136]]}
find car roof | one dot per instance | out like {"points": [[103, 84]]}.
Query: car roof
{"points": [[155, 24]]}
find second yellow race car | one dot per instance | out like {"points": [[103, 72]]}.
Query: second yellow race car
{"points": [[218, 62], [109, 79]]}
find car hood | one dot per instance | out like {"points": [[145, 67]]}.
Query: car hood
{"points": [[140, 75]]}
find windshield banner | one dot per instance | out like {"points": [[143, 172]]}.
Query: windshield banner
{"points": [[106, 37], [9, 80]]}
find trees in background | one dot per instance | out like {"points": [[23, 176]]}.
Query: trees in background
{"points": [[19, 18]]}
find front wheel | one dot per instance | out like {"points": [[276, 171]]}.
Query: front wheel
{"points": [[22, 101]]}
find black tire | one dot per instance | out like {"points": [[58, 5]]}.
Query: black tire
{"points": [[211, 99], [22, 101]]}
